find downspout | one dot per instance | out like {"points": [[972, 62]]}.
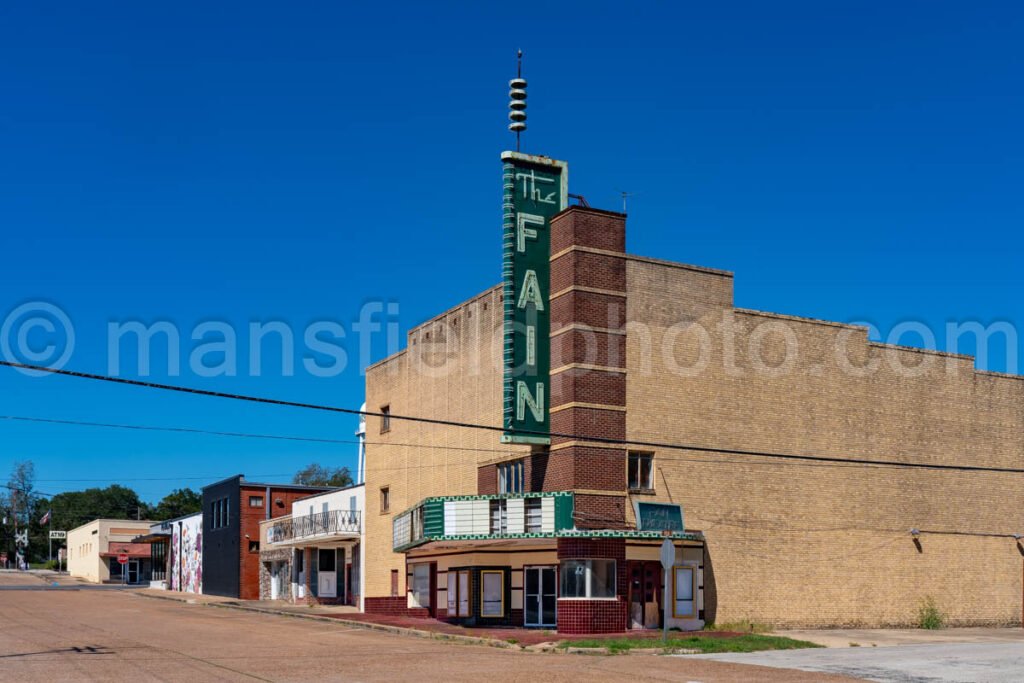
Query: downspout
{"points": [[361, 479], [361, 435]]}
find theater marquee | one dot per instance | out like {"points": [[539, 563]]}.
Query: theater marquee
{"points": [[535, 189]]}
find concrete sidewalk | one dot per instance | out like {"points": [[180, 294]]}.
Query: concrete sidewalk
{"points": [[868, 637], [937, 662]]}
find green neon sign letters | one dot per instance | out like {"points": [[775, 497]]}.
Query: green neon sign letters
{"points": [[535, 189]]}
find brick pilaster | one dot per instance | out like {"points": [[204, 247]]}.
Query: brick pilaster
{"points": [[588, 362]]}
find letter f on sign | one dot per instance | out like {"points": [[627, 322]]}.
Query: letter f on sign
{"points": [[523, 232]]}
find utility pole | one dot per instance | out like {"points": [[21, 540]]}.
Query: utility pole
{"points": [[14, 514]]}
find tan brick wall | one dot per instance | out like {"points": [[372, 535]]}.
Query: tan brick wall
{"points": [[450, 370], [808, 544], [789, 543]]}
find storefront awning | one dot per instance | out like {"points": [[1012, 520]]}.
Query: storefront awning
{"points": [[133, 550]]}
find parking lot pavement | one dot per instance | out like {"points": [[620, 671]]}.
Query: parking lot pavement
{"points": [[99, 635], [937, 662]]}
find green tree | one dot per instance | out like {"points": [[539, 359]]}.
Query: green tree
{"points": [[178, 503], [316, 474], [74, 508]]}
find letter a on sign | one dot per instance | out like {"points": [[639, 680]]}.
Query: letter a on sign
{"points": [[529, 293], [536, 188]]}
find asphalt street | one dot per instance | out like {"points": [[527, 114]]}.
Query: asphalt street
{"points": [[114, 635]]}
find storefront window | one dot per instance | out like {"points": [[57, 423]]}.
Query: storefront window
{"points": [[591, 579], [492, 593], [421, 584], [458, 592], [684, 592]]}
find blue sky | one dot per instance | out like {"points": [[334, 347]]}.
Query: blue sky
{"points": [[255, 161]]}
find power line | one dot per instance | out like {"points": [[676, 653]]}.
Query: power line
{"points": [[247, 435], [492, 428], [184, 430], [504, 451]]}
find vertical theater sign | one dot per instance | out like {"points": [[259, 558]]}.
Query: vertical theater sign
{"points": [[535, 189]]}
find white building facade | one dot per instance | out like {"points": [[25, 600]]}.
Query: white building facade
{"points": [[315, 554]]}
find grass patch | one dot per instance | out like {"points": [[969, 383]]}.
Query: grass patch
{"points": [[748, 642], [739, 627], [928, 614]]}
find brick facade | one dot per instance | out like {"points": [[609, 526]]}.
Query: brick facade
{"points": [[787, 543], [283, 555], [277, 504], [396, 606], [594, 616], [588, 284]]}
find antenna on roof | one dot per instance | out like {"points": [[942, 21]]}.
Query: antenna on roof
{"points": [[626, 195], [517, 100]]}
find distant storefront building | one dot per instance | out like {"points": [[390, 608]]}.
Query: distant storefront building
{"points": [[93, 551], [232, 512], [176, 552], [314, 554], [185, 554]]}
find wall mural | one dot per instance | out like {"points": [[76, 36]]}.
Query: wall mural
{"points": [[186, 555]]}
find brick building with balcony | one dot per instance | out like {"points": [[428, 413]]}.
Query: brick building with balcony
{"points": [[314, 554]]}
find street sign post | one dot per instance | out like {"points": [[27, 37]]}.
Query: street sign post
{"points": [[122, 559], [668, 560]]}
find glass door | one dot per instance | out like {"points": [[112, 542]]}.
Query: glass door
{"points": [[540, 596], [327, 573], [645, 607], [133, 571]]}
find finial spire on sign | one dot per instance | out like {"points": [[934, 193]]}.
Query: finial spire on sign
{"points": [[517, 100]]}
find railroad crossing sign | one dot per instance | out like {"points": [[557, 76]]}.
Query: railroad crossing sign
{"points": [[21, 539], [59, 535], [122, 558]]}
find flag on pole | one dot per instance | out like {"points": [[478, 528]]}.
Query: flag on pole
{"points": [[46, 518]]}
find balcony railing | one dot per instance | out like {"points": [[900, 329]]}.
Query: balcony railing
{"points": [[331, 523]]}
